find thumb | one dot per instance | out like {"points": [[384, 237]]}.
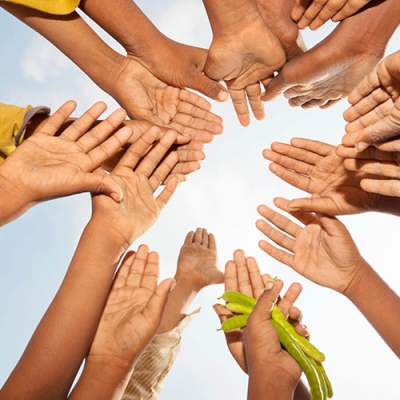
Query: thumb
{"points": [[158, 300], [98, 182], [212, 89], [275, 87], [267, 300]]}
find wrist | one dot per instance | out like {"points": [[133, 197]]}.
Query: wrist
{"points": [[359, 280]]}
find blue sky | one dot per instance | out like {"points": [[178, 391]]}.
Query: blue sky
{"points": [[222, 196]]}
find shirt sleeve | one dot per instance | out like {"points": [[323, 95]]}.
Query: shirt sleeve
{"points": [[13, 121], [147, 380]]}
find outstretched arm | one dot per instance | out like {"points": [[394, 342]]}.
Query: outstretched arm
{"points": [[75, 312], [174, 63], [130, 319], [46, 166], [134, 87]]}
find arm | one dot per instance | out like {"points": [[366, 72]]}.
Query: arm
{"points": [[196, 269], [176, 64], [244, 53], [134, 87], [324, 252], [243, 275], [76, 309], [130, 319], [46, 166]]}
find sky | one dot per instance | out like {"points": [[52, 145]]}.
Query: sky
{"points": [[222, 197]]}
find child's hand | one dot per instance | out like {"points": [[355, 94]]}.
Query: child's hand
{"points": [[322, 251], [139, 173]]}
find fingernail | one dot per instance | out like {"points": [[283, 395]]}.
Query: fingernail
{"points": [[269, 285], [361, 146], [173, 284], [223, 96]]}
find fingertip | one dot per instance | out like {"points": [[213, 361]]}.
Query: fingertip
{"points": [[223, 96]]}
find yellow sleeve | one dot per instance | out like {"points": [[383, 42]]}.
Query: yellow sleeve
{"points": [[13, 120], [58, 7]]}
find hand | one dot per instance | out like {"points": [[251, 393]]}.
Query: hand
{"points": [[243, 275], [190, 152], [244, 58], [46, 166], [314, 14], [181, 66], [316, 168], [327, 73], [375, 112], [197, 261], [133, 310], [322, 251], [381, 167], [264, 354], [139, 173], [276, 14], [144, 96]]}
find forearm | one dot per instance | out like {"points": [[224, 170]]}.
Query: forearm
{"points": [[71, 35], [126, 23], [63, 337], [178, 302], [100, 381], [378, 303], [375, 24], [228, 16], [269, 385]]}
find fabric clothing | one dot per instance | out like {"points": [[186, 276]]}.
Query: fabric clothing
{"points": [[147, 380], [58, 7], [13, 121]]}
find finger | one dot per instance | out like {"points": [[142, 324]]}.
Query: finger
{"points": [[156, 305], [150, 271], [311, 204], [204, 238], [278, 220], [304, 217], [55, 121], [298, 9], [290, 297], [165, 196], [231, 277], [189, 237], [138, 149], [152, 159], [276, 236], [311, 12], [99, 132], [294, 160], [104, 151], [243, 276], [279, 255], [275, 87], [253, 93], [137, 269], [383, 187], [93, 183], [256, 279], [212, 89], [162, 171], [240, 105], [124, 270], [327, 12], [193, 151], [212, 243], [198, 236], [350, 8], [266, 301], [385, 169]]}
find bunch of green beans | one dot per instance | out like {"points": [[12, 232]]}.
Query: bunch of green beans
{"points": [[305, 353]]}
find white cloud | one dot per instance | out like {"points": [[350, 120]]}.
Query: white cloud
{"points": [[41, 61]]}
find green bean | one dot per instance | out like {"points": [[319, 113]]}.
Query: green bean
{"points": [[320, 375], [327, 381], [238, 308], [237, 321], [307, 347], [314, 380], [236, 297]]}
